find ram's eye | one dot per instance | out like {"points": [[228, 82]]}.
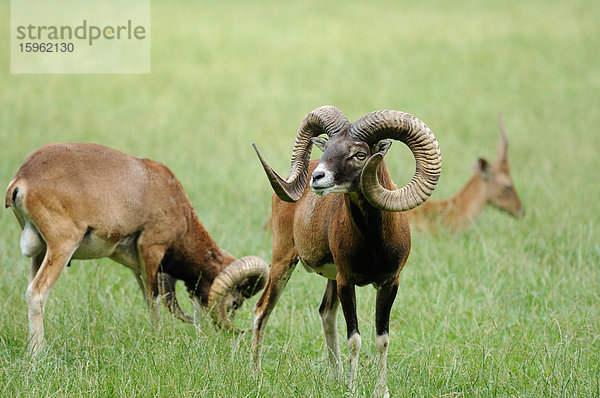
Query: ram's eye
{"points": [[360, 155]]}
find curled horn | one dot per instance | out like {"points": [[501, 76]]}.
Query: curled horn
{"points": [[404, 127], [502, 141], [326, 119], [242, 278]]}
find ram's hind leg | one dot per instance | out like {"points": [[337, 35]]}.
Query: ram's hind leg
{"points": [[36, 263], [279, 275], [284, 258], [55, 260], [328, 311]]}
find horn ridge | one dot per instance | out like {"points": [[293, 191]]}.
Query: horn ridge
{"points": [[408, 129], [326, 119], [228, 280]]}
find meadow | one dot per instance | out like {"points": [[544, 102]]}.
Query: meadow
{"points": [[509, 308]]}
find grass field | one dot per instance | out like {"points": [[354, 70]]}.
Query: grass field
{"points": [[510, 308]]}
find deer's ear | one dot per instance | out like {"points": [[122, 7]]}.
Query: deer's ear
{"points": [[483, 166], [319, 142]]}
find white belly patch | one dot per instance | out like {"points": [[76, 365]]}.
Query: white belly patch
{"points": [[93, 246], [329, 271], [124, 251]]}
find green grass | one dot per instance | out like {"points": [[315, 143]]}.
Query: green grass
{"points": [[510, 308]]}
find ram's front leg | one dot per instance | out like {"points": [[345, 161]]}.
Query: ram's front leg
{"points": [[348, 299], [150, 257], [385, 299], [166, 289]]}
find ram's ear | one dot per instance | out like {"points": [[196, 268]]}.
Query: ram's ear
{"points": [[319, 142], [382, 146]]}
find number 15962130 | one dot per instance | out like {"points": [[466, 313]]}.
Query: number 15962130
{"points": [[46, 47]]}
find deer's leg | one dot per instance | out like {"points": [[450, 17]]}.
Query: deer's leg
{"points": [[328, 311], [385, 299], [347, 296]]}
